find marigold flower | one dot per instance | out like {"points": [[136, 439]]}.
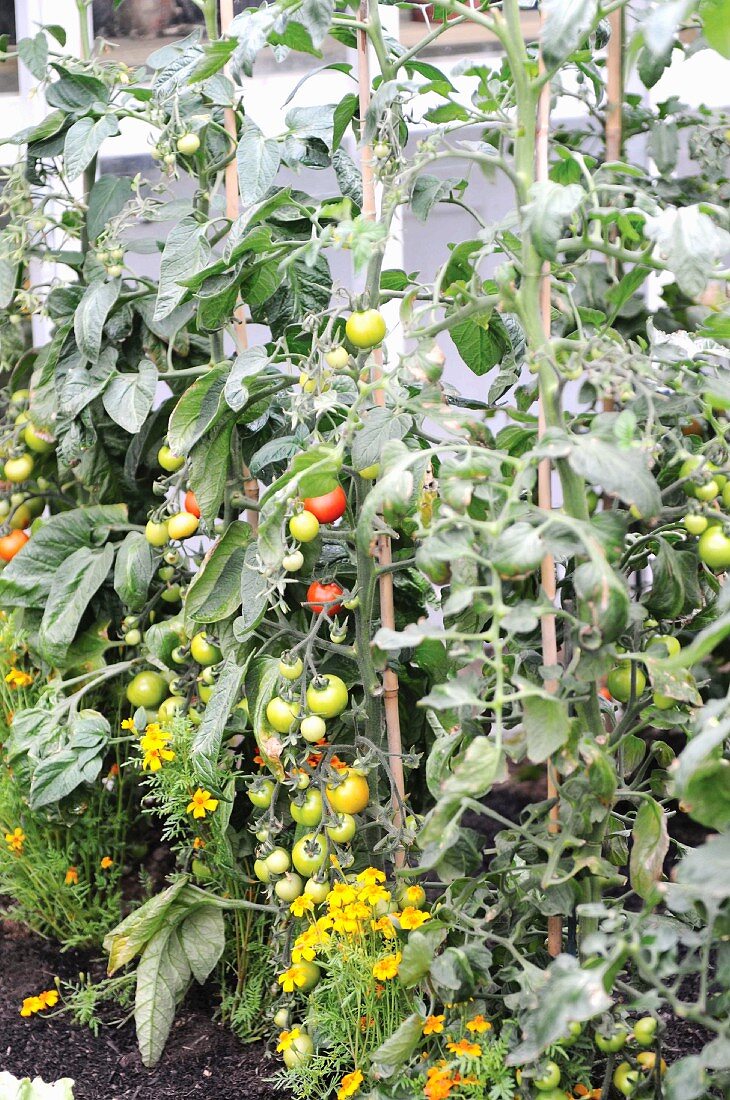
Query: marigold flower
{"points": [[439, 1083], [15, 840], [258, 759], [293, 978], [198, 843], [286, 1039], [478, 1024], [202, 803], [384, 925], [464, 1049], [153, 760], [433, 1025], [413, 918], [341, 894], [72, 877], [387, 968], [301, 905], [371, 876], [47, 999], [350, 1084], [106, 863], [128, 724], [17, 678]]}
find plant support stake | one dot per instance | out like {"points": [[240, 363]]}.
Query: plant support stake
{"points": [[384, 552]]}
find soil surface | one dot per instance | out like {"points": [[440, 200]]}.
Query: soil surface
{"points": [[202, 1059]]}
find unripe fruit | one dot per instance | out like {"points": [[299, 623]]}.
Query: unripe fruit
{"points": [[182, 525]]}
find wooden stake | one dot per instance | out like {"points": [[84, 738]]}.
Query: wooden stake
{"points": [[614, 120], [384, 549], [545, 495], [250, 484]]}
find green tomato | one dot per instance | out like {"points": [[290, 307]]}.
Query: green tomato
{"points": [[549, 1078], [304, 526], [133, 637], [147, 690], [309, 854], [36, 442], [369, 473], [19, 469], [288, 887], [170, 707], [625, 1078], [300, 1051], [619, 682], [171, 594], [337, 358], [261, 871], [291, 669], [317, 889], [204, 651], [168, 460], [278, 861], [313, 728], [166, 573], [344, 830], [668, 641], [281, 714], [365, 328], [644, 1031], [281, 1017], [308, 811], [611, 1044], [726, 495], [156, 533], [706, 488], [205, 692], [713, 548], [201, 871], [293, 562], [663, 702], [188, 144], [327, 696], [261, 793]]}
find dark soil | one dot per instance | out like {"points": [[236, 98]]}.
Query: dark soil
{"points": [[202, 1059]]}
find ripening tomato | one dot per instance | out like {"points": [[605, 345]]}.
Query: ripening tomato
{"points": [[278, 861], [300, 1050], [168, 460], [170, 707], [293, 562], [313, 728], [327, 696], [317, 889], [351, 795], [713, 548], [647, 1061], [309, 854], [324, 594], [11, 544], [37, 442], [204, 651], [261, 871], [304, 527], [365, 328], [156, 533], [289, 887], [308, 811], [343, 830], [190, 504], [147, 689], [280, 713], [337, 358], [19, 469], [290, 668], [328, 507], [182, 525]]}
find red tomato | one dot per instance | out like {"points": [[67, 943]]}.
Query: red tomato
{"points": [[191, 504], [328, 507], [319, 595], [16, 540]]}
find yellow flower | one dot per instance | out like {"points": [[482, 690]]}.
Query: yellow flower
{"points": [[374, 895], [465, 1049], [128, 724], [371, 876], [301, 905], [387, 968], [286, 1039], [202, 802], [350, 1084], [384, 925], [72, 877], [106, 863], [15, 840], [16, 678], [293, 978], [413, 918], [153, 758], [478, 1024], [47, 999], [341, 894], [412, 894], [154, 738], [433, 1025]]}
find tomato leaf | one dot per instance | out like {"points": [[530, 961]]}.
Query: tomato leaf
{"points": [[215, 590], [650, 844], [133, 571]]}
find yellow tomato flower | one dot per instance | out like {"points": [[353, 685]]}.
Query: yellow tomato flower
{"points": [[465, 1049], [72, 877], [17, 678], [106, 863], [15, 840], [478, 1024], [413, 918], [286, 1039], [202, 803], [350, 1084], [301, 905], [387, 968], [433, 1025]]}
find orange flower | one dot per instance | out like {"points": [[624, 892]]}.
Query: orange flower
{"points": [[439, 1083], [478, 1024], [72, 877], [198, 843], [387, 968], [350, 1084], [433, 1025], [464, 1049], [106, 863]]}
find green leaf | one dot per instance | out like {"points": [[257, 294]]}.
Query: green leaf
{"points": [[108, 197], [659, 28], [379, 424], [418, 954], [83, 142], [76, 93], [650, 844], [198, 410], [258, 160], [474, 772], [623, 473], [209, 460], [128, 398], [548, 212], [207, 739], [78, 760], [27, 580], [399, 1046], [666, 598], [706, 795], [8, 271], [247, 364], [216, 55], [547, 726], [130, 936], [203, 937], [565, 24], [691, 245], [163, 974], [93, 310], [481, 343], [83, 383], [604, 602], [33, 52], [215, 591], [186, 252], [133, 571], [253, 595], [75, 582], [715, 16], [262, 680], [345, 111]]}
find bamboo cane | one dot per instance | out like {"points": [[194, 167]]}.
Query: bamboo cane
{"points": [[250, 484], [545, 496], [384, 550], [614, 118]]}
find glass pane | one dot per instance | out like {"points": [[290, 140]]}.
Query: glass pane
{"points": [[8, 69]]}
